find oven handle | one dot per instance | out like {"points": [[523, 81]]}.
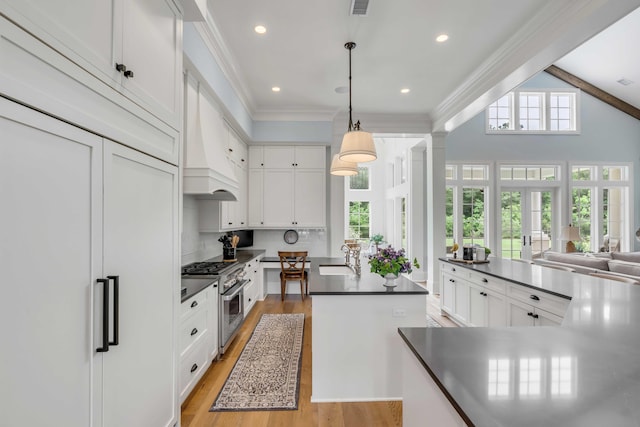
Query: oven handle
{"points": [[236, 292]]}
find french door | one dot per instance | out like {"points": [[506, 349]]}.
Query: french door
{"points": [[527, 222]]}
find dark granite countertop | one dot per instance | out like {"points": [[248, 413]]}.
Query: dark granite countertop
{"points": [[584, 373], [367, 284], [195, 285], [242, 255]]}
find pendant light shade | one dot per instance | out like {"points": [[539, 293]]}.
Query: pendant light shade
{"points": [[357, 145], [342, 168]]}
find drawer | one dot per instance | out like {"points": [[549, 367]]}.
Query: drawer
{"points": [[195, 303], [192, 365], [536, 298], [192, 328], [489, 282], [461, 272]]}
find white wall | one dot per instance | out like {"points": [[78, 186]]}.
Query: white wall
{"points": [[196, 246]]}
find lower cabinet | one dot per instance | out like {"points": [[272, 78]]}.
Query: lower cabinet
{"points": [[249, 296], [522, 314], [471, 298], [195, 332], [90, 225]]}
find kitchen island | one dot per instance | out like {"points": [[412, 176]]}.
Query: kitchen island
{"points": [[356, 347], [585, 372]]}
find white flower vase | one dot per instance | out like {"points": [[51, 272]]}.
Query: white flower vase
{"points": [[390, 280]]}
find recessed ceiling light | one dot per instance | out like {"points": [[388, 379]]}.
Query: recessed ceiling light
{"points": [[275, 89], [260, 29], [405, 90], [624, 82], [442, 38]]}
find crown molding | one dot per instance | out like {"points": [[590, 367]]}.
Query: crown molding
{"points": [[554, 31], [295, 115]]}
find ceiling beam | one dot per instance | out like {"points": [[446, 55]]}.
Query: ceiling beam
{"points": [[594, 91]]}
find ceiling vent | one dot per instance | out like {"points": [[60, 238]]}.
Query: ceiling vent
{"points": [[359, 7], [624, 82]]}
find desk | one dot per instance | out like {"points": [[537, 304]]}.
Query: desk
{"points": [[271, 279]]}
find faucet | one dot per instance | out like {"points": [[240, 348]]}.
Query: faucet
{"points": [[349, 251]]}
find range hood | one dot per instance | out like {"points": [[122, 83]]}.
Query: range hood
{"points": [[207, 171]]}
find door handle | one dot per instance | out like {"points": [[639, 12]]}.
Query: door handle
{"points": [[105, 316], [116, 309], [534, 297], [529, 240], [524, 240]]}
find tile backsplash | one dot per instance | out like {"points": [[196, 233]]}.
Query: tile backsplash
{"points": [[197, 246]]}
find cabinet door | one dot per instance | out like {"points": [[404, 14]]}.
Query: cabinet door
{"points": [[152, 50], [462, 300], [448, 295], [496, 309], [240, 217], [83, 30], [278, 198], [50, 256], [310, 157], [140, 247], [256, 195], [518, 313], [310, 198], [278, 157], [477, 306], [255, 157], [547, 319]]}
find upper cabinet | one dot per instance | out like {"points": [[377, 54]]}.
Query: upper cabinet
{"points": [[132, 46], [283, 157]]}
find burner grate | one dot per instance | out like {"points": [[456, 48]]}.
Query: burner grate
{"points": [[204, 268]]}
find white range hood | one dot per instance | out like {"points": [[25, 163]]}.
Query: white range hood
{"points": [[207, 171]]}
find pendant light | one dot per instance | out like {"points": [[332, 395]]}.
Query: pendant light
{"points": [[342, 168], [357, 145]]}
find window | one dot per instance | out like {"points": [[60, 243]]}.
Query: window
{"points": [[359, 225], [542, 111], [466, 204], [600, 207], [528, 173], [361, 180]]}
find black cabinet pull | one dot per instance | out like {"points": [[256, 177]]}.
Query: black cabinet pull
{"points": [[194, 367], [194, 304], [261, 164], [231, 150], [485, 280], [128, 74], [105, 313], [105, 316], [121, 68], [230, 223], [453, 269], [452, 281], [116, 309], [194, 331], [534, 297], [535, 316], [242, 160], [529, 314]]}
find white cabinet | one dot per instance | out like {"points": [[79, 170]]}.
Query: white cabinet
{"points": [[195, 333], [282, 193], [145, 36], [522, 314], [486, 307], [249, 297], [81, 208], [253, 290]]}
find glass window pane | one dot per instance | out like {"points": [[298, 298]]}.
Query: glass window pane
{"points": [[581, 217], [519, 174], [548, 174], [361, 180], [506, 173], [473, 216], [449, 172], [449, 217], [359, 221], [582, 173]]}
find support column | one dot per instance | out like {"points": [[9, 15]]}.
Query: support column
{"points": [[418, 203], [435, 196]]}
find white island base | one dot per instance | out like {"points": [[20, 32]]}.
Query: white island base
{"points": [[357, 352]]}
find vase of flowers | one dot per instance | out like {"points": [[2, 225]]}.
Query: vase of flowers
{"points": [[389, 263]]}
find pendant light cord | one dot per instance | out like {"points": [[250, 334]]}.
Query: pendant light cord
{"points": [[350, 46]]}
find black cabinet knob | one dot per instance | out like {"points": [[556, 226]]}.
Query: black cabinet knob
{"points": [[529, 314], [194, 331], [534, 297], [452, 281], [194, 367], [194, 304], [453, 269], [485, 280], [128, 74], [535, 316]]}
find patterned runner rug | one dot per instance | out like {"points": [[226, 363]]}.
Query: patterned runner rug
{"points": [[267, 374]]}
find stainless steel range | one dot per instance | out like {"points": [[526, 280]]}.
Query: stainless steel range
{"points": [[231, 282]]}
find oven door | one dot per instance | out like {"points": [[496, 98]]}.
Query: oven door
{"points": [[231, 314]]}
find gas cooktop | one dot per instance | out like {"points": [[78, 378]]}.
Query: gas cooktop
{"points": [[206, 268]]}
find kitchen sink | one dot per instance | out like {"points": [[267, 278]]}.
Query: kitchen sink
{"points": [[335, 270]]}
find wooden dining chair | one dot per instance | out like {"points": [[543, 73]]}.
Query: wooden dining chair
{"points": [[292, 269]]}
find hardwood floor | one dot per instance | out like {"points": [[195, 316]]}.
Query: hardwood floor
{"points": [[195, 410], [433, 310]]}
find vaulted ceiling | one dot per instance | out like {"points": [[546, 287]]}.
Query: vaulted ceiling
{"points": [[493, 45]]}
